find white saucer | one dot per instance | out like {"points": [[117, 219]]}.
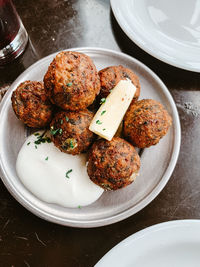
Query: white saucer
{"points": [[167, 30], [170, 244]]}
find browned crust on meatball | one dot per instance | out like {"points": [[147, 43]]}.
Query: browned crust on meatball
{"points": [[31, 104], [112, 163], [146, 122], [110, 76], [72, 81], [70, 131]]}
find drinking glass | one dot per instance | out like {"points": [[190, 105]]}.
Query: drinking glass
{"points": [[13, 36]]}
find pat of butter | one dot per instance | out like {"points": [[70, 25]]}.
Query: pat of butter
{"points": [[110, 114]]}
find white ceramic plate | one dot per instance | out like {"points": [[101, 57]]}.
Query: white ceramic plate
{"points": [[170, 244], [157, 162], [168, 30]]}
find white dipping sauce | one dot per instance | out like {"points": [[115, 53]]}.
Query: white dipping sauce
{"points": [[43, 171]]}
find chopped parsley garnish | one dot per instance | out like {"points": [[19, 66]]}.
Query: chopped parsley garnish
{"points": [[98, 122], [35, 147], [36, 134], [79, 206], [37, 142], [61, 121], [42, 139], [103, 112], [28, 143], [71, 145], [66, 175], [104, 129], [103, 100], [54, 132], [66, 118], [60, 131], [69, 84], [47, 158]]}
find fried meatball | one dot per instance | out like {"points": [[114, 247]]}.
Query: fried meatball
{"points": [[146, 122], [31, 104], [113, 164], [72, 81], [70, 131], [110, 76]]}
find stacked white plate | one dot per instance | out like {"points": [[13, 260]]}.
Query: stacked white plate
{"points": [[167, 30]]}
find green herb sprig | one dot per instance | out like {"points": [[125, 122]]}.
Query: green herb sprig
{"points": [[103, 112], [98, 122], [54, 132], [71, 145], [42, 139], [67, 173], [103, 100]]}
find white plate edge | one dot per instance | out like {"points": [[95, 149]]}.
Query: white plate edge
{"points": [[162, 58]]}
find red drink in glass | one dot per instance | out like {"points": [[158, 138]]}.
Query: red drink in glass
{"points": [[13, 36]]}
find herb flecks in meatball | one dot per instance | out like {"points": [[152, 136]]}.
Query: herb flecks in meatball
{"points": [[113, 164], [31, 104], [146, 122], [70, 131], [72, 81], [110, 76]]}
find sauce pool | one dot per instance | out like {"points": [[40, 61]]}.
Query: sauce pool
{"points": [[54, 176]]}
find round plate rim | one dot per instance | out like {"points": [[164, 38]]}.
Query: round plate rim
{"points": [[147, 48], [144, 202], [150, 229]]}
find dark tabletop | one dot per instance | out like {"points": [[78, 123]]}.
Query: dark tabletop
{"points": [[26, 240]]}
